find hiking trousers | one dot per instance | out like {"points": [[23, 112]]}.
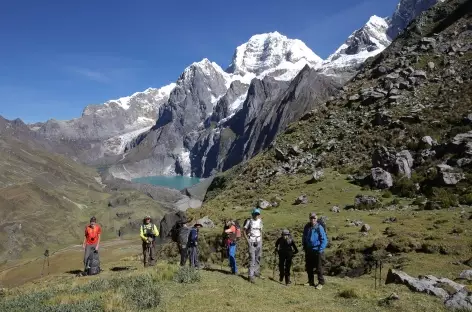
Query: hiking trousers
{"points": [[232, 258], [255, 254], [149, 253], [183, 254], [193, 256], [314, 260], [88, 251], [285, 264]]}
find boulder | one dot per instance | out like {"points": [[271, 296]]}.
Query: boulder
{"points": [[317, 176], [354, 98], [263, 204], [366, 201], [302, 199], [462, 143], [383, 157], [381, 179], [335, 209], [294, 150], [393, 77], [365, 228], [467, 274], [428, 141], [419, 74], [426, 284], [206, 222], [279, 155], [447, 175], [403, 163], [461, 300]]}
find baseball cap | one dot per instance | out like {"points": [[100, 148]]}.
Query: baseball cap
{"points": [[313, 215]]}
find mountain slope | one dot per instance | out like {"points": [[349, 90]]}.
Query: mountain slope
{"points": [[406, 11], [46, 199], [371, 39], [387, 161]]}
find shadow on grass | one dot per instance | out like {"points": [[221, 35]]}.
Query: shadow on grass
{"points": [[75, 272], [122, 268], [218, 270]]}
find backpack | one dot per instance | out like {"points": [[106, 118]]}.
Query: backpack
{"points": [[183, 235], [238, 230], [174, 232], [234, 237], [93, 263], [322, 222]]}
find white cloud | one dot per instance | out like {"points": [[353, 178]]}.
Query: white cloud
{"points": [[90, 74]]}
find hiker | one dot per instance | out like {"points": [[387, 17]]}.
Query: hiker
{"points": [[231, 234], [91, 240], [183, 232], [253, 235], [314, 243], [193, 246], [148, 233], [286, 249]]}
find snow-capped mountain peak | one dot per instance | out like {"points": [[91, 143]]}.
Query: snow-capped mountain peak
{"points": [[270, 53], [206, 67], [365, 42]]}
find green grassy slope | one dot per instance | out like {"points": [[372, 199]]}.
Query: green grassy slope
{"points": [[46, 200]]}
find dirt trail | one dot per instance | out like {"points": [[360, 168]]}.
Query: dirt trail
{"points": [[66, 261]]}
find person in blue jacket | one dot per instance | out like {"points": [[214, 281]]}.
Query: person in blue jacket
{"points": [[193, 246], [314, 244]]}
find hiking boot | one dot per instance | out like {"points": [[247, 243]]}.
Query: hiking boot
{"points": [[252, 280], [319, 287], [287, 280], [281, 279]]}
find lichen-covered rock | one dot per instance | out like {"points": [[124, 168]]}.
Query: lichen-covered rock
{"points": [[381, 179]]}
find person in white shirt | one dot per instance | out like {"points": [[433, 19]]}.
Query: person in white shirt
{"points": [[253, 235]]}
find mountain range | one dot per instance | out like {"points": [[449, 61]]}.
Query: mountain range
{"points": [[211, 119]]}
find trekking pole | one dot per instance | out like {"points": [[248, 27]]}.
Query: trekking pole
{"points": [[380, 277], [375, 275], [273, 268], [293, 272]]}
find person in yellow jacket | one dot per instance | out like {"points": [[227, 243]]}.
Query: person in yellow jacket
{"points": [[148, 234]]}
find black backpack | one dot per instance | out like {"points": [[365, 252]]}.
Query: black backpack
{"points": [[184, 233], [93, 263]]}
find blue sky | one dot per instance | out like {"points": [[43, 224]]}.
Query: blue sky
{"points": [[58, 56]]}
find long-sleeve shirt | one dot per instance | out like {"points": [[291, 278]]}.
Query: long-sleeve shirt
{"points": [[314, 238], [148, 230], [286, 246]]}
